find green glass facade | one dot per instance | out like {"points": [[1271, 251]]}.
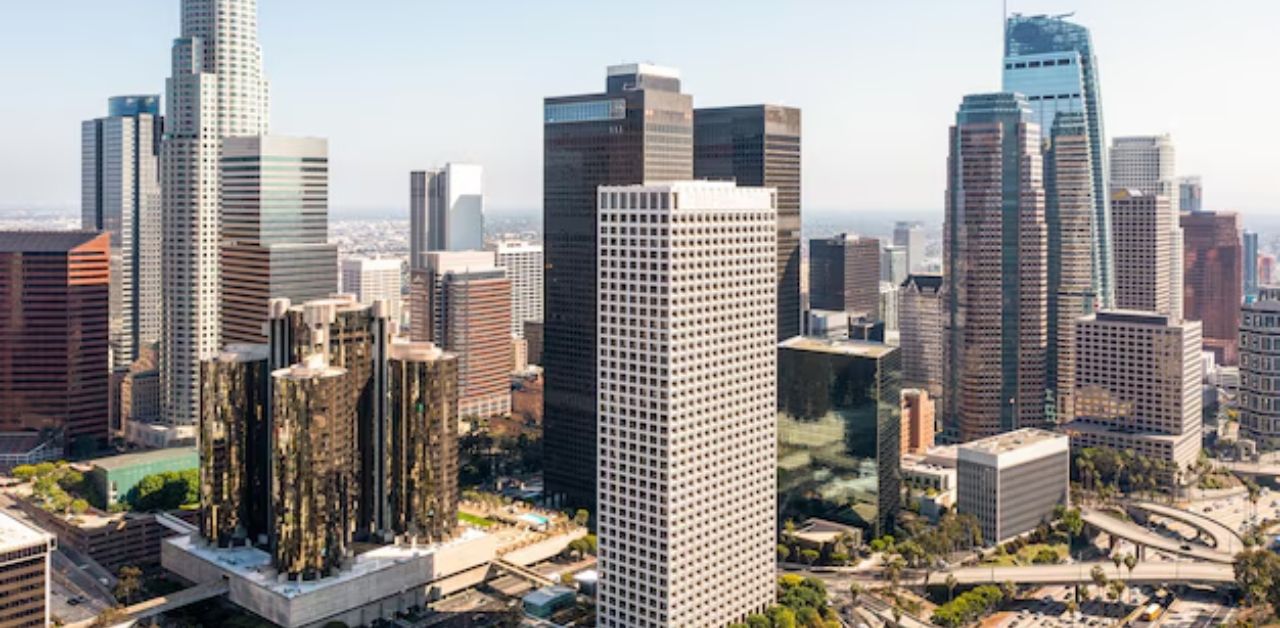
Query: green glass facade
{"points": [[233, 447], [421, 463]]}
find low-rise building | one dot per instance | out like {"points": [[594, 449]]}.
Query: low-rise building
{"points": [[918, 422], [115, 476], [1013, 481], [24, 574]]}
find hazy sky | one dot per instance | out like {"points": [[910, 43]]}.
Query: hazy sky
{"points": [[403, 84]]}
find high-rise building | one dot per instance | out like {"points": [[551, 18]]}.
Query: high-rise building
{"points": [[1051, 62], [1013, 481], [1190, 194], [1144, 249], [920, 333], [25, 554], [421, 442], [374, 280], [1260, 369], [1146, 163], [844, 274], [217, 90], [697, 398], [759, 145], [994, 257], [1250, 264], [275, 229], [639, 129], [1138, 387], [446, 210], [910, 236], [839, 432], [464, 303], [54, 355], [523, 261], [918, 421], [1072, 281], [893, 264], [235, 428], [1213, 283], [1266, 269], [120, 194]]}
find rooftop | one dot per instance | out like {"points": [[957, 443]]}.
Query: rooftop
{"points": [[628, 69], [14, 534], [143, 457], [856, 348], [43, 241], [21, 442], [1012, 441]]}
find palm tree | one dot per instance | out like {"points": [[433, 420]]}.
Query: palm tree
{"points": [[952, 583], [893, 569], [1117, 560], [1099, 576], [855, 590]]}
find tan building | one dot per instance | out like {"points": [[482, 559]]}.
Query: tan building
{"points": [[24, 574], [1138, 386], [917, 421], [920, 318], [1142, 228]]}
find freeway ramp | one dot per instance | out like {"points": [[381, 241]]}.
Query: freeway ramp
{"points": [[1154, 573], [1139, 535]]}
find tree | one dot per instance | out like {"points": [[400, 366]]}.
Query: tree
{"points": [[24, 472], [1130, 561], [1098, 576], [1009, 589], [810, 556], [1073, 523], [109, 617], [128, 584], [952, 583], [784, 553], [581, 517], [1258, 576], [782, 617], [893, 570], [855, 590], [79, 506], [1117, 559]]}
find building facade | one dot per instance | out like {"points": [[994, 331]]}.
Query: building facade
{"points": [[54, 339], [1146, 164], [759, 146], [523, 261], [120, 194], [920, 332], [375, 279], [421, 475], [918, 421], [1259, 398], [686, 529], [446, 210], [217, 90], [25, 554], [234, 440], [275, 229], [1190, 194], [994, 269], [639, 129], [1250, 264], [844, 274], [1214, 283], [1013, 481], [910, 236]]}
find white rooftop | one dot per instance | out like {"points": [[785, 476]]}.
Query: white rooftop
{"points": [[643, 68], [15, 535]]}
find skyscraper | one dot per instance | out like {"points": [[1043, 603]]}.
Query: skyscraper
{"points": [[1250, 264], [844, 274], [994, 256], [759, 145], [1138, 387], [1051, 61], [421, 442], [235, 428], [216, 91], [1144, 251], [1146, 163], [374, 279], [1190, 194], [1214, 282], [1260, 369], [275, 229], [54, 366], [706, 421], [1072, 284], [893, 264], [120, 194], [910, 236], [920, 327], [523, 261], [446, 210], [639, 129]]}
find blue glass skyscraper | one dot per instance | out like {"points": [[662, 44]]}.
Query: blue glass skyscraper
{"points": [[1051, 62]]}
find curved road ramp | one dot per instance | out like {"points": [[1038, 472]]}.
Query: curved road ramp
{"points": [[1141, 536]]}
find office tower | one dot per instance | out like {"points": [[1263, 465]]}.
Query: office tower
{"points": [[1250, 264], [24, 559], [533, 341], [839, 432], [1051, 61], [1260, 369], [275, 229], [1146, 163], [827, 324], [910, 236], [1266, 269], [216, 91], [1190, 194], [888, 310], [446, 210], [759, 145], [1013, 481], [314, 475], [920, 333], [918, 421], [1213, 283], [120, 194], [1138, 387], [54, 345], [373, 280], [893, 265], [1143, 241], [234, 439], [523, 261], [994, 257], [844, 274], [708, 384], [464, 302], [1072, 283], [421, 479], [639, 129]]}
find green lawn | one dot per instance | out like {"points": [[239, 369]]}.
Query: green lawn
{"points": [[474, 520], [1025, 555]]}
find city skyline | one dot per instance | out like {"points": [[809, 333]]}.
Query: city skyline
{"points": [[862, 154]]}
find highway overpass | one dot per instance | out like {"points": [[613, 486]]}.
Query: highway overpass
{"points": [[1155, 573], [1143, 537], [1225, 539]]}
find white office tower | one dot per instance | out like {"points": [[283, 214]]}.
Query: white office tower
{"points": [[687, 366], [446, 211], [217, 90], [374, 279], [1147, 163], [120, 194], [523, 261], [910, 236]]}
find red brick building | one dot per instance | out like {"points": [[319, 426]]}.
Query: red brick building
{"points": [[1213, 279]]}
